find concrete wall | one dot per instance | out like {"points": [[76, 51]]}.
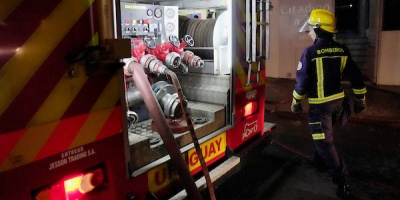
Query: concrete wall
{"points": [[374, 28], [383, 63], [388, 69], [286, 44]]}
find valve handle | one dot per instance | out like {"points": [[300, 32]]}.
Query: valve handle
{"points": [[189, 40], [174, 41], [149, 42]]}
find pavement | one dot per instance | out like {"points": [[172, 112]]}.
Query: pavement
{"points": [[278, 169]]}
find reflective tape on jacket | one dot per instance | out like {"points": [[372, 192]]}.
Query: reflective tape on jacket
{"points": [[325, 99], [318, 136], [298, 96]]}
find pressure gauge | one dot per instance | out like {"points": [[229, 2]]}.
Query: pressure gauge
{"points": [[170, 13], [157, 13], [149, 12], [170, 26]]}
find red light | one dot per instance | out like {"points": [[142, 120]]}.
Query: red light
{"points": [[72, 184], [81, 184], [73, 187], [250, 108], [91, 180]]}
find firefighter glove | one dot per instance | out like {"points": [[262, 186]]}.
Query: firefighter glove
{"points": [[296, 106], [359, 105]]}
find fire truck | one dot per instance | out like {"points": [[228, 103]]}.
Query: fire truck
{"points": [[109, 99]]}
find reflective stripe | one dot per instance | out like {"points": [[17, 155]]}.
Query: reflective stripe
{"points": [[320, 77], [343, 63], [360, 91], [327, 57], [321, 98], [318, 136], [325, 99], [298, 96]]}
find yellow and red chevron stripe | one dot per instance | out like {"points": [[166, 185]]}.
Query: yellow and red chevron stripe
{"points": [[242, 65], [24, 146], [42, 110]]}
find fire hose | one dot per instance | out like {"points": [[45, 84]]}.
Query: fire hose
{"points": [[193, 134], [140, 78], [155, 66], [136, 70]]}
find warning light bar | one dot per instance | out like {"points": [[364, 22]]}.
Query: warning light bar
{"points": [[73, 187]]}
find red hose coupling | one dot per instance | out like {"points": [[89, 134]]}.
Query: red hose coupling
{"points": [[191, 60]]}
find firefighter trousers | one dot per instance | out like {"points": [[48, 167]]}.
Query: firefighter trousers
{"points": [[322, 118]]}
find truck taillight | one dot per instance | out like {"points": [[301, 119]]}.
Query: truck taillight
{"points": [[73, 187], [250, 108]]}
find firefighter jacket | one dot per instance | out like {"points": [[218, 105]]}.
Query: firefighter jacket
{"points": [[321, 69]]}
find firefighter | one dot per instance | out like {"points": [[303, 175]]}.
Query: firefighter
{"points": [[318, 78]]}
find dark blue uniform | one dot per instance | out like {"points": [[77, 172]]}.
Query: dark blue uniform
{"points": [[318, 77]]}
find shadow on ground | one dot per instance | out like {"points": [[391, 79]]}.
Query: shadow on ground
{"points": [[278, 168]]}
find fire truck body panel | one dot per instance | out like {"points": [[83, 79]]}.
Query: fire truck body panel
{"points": [[74, 124]]}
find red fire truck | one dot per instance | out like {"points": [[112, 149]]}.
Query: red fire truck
{"points": [[104, 99]]}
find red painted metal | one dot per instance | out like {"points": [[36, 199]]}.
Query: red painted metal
{"points": [[108, 147]]}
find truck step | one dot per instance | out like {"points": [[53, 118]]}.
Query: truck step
{"points": [[223, 171]]}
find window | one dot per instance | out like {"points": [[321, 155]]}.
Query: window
{"points": [[391, 15]]}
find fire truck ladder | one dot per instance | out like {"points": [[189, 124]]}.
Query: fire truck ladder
{"points": [[251, 34]]}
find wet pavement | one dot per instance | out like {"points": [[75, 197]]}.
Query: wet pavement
{"points": [[278, 169]]}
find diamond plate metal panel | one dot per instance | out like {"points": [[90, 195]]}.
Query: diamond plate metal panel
{"points": [[144, 146], [206, 88]]}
